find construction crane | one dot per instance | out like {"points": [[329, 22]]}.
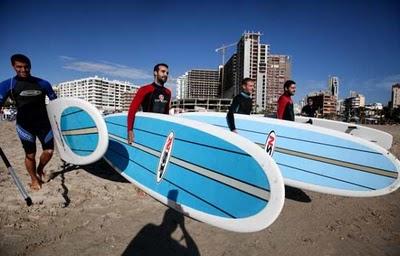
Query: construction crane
{"points": [[223, 50]]}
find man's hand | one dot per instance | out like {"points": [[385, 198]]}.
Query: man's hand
{"points": [[131, 137]]}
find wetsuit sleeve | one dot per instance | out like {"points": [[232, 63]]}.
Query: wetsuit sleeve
{"points": [[4, 91], [230, 118], [135, 104], [48, 89], [167, 108], [281, 108]]}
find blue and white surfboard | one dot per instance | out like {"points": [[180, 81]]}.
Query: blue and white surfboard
{"points": [[317, 158], [200, 170], [80, 133]]}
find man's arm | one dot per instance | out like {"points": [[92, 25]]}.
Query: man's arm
{"points": [[134, 107], [48, 89], [281, 108], [169, 103], [230, 118]]}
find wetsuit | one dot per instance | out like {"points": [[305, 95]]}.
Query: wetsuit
{"points": [[152, 98], [32, 120], [309, 110], [241, 104], [285, 108]]}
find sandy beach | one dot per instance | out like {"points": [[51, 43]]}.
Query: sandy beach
{"points": [[92, 210]]}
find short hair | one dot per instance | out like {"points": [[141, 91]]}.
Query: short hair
{"points": [[157, 67], [21, 58], [246, 80], [288, 83]]}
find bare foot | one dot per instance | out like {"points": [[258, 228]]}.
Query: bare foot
{"points": [[35, 185]]}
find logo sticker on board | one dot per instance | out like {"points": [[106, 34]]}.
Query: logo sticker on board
{"points": [[165, 155], [270, 143]]}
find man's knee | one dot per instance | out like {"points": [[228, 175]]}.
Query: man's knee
{"points": [[30, 156], [48, 152]]}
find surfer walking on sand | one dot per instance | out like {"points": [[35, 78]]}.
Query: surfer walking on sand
{"points": [[28, 93], [154, 97], [242, 103], [285, 103]]}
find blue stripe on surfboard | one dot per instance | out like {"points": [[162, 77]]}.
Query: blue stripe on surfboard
{"points": [[318, 173], [216, 199], [79, 120], [82, 145], [350, 151], [164, 127], [232, 165]]}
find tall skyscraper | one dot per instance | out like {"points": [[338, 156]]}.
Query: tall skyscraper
{"points": [[396, 96], [333, 86], [251, 62], [278, 70], [229, 78]]}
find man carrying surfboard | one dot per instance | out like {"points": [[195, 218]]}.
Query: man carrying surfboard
{"points": [[285, 103], [28, 93], [154, 97], [242, 103]]}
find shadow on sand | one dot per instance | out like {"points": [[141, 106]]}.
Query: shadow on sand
{"points": [[296, 195], [157, 239]]}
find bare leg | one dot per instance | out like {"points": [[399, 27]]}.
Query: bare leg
{"points": [[44, 159], [30, 164]]}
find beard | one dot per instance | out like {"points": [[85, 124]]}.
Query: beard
{"points": [[162, 80]]}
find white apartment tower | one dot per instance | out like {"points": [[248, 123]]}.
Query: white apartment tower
{"points": [[102, 93]]}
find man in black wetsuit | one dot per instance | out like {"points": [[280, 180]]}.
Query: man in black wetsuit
{"points": [[242, 103], [309, 109], [29, 94]]}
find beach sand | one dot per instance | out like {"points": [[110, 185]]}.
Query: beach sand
{"points": [[94, 211]]}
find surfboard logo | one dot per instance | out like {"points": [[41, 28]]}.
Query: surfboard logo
{"points": [[270, 143], [165, 155]]}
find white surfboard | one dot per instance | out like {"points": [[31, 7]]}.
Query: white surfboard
{"points": [[319, 159], [80, 133]]}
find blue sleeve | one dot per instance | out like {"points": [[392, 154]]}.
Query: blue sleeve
{"points": [[4, 91], [48, 89]]}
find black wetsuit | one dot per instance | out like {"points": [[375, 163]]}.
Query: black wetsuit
{"points": [[309, 110], [32, 120], [241, 104]]}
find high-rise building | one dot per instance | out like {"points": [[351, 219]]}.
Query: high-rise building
{"points": [[278, 70], [203, 84], [182, 87], [251, 59], [229, 78], [103, 93], [396, 96], [333, 86]]}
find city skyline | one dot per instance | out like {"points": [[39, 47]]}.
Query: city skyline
{"points": [[358, 42]]}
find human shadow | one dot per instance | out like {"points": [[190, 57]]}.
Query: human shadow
{"points": [[157, 239], [296, 195]]}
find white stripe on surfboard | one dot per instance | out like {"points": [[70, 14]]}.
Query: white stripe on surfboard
{"points": [[80, 131], [336, 162], [249, 189]]}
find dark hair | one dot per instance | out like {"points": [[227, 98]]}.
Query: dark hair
{"points": [[156, 67], [288, 83], [21, 58], [246, 80]]}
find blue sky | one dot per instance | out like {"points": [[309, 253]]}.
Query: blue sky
{"points": [[359, 41]]}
